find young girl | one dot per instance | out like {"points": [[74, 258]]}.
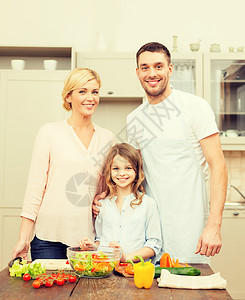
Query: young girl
{"points": [[128, 218]]}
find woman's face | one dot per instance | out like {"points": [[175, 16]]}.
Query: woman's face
{"points": [[85, 99]]}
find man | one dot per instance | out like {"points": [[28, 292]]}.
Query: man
{"points": [[178, 139]]}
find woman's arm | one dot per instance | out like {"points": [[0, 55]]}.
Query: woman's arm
{"points": [[23, 244]]}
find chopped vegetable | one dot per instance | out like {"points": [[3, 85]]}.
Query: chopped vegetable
{"points": [[143, 273], [92, 265], [166, 262], [19, 268], [129, 269]]}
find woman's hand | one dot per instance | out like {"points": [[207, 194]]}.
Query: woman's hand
{"points": [[96, 203], [115, 244], [87, 244], [21, 249]]}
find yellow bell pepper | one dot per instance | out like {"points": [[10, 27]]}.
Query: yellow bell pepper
{"points": [[143, 273]]}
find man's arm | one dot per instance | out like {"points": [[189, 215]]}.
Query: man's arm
{"points": [[210, 240]]}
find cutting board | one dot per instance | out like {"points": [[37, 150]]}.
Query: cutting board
{"points": [[54, 264]]}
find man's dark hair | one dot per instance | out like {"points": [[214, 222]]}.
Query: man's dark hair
{"points": [[154, 47]]}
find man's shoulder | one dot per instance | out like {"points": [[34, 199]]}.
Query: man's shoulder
{"points": [[137, 111], [185, 96]]}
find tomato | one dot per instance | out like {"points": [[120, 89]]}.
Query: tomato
{"points": [[72, 278], [48, 283], [36, 284], [60, 281], [26, 277]]}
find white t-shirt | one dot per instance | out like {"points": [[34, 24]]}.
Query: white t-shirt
{"points": [[197, 114], [62, 182]]}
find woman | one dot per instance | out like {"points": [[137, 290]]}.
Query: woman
{"points": [[65, 169]]}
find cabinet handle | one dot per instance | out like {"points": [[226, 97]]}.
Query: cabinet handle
{"points": [[110, 92], [236, 213]]}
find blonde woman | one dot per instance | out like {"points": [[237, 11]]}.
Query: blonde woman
{"points": [[128, 218], [66, 166]]}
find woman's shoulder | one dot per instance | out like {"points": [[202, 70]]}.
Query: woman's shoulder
{"points": [[52, 126]]}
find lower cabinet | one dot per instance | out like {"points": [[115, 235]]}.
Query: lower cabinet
{"points": [[230, 261], [9, 233]]}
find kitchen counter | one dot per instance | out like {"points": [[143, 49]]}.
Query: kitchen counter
{"points": [[112, 287]]}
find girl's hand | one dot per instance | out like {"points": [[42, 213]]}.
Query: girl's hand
{"points": [[115, 244], [87, 244]]}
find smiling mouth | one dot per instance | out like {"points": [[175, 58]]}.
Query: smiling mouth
{"points": [[153, 83], [88, 105], [123, 179]]}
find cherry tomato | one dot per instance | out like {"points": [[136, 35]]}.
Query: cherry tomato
{"points": [[72, 278], [60, 281], [26, 277], [48, 283], [36, 284]]}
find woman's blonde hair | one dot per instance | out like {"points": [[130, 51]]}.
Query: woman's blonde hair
{"points": [[76, 79], [132, 155]]}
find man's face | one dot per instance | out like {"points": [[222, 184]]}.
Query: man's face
{"points": [[153, 72]]}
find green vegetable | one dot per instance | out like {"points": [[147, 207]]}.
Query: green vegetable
{"points": [[188, 271], [20, 268]]}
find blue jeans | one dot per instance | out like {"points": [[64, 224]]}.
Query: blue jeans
{"points": [[47, 250]]}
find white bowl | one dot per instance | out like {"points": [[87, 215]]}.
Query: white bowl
{"points": [[231, 133], [17, 64], [50, 64], [194, 46]]}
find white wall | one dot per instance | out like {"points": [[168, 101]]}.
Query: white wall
{"points": [[127, 24]]}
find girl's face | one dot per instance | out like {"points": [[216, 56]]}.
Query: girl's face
{"points": [[84, 100], [122, 172]]}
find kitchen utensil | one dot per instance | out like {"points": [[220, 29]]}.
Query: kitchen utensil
{"points": [[54, 264], [175, 48], [194, 46], [240, 49], [231, 133], [50, 64], [17, 64], [215, 48]]}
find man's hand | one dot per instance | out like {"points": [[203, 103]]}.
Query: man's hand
{"points": [[210, 241], [96, 203]]}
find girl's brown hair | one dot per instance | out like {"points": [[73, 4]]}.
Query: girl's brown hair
{"points": [[133, 156]]}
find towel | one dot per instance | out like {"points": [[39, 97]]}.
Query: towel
{"points": [[214, 281]]}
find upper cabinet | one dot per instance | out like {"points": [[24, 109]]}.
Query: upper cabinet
{"points": [[187, 72], [224, 89], [34, 57], [117, 72]]}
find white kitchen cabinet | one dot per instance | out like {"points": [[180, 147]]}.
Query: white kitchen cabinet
{"points": [[9, 233], [230, 261], [187, 72], [28, 99], [117, 72], [34, 56], [224, 89]]}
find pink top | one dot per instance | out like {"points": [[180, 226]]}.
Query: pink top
{"points": [[62, 182]]}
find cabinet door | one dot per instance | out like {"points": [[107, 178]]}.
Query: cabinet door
{"points": [[187, 72], [224, 88], [117, 72], [230, 261], [28, 100], [9, 233]]}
